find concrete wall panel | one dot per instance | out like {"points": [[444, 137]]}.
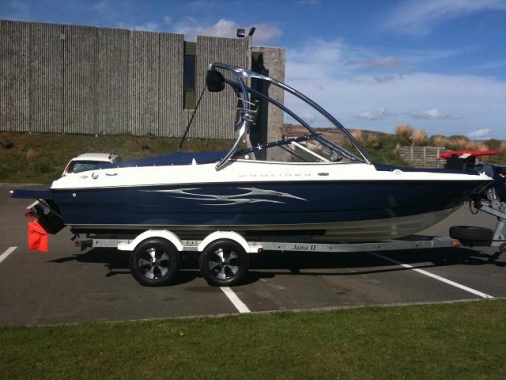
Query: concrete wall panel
{"points": [[79, 79], [171, 119], [113, 106], [14, 75], [144, 82], [216, 118], [46, 78]]}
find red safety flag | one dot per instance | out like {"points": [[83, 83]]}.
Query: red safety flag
{"points": [[37, 237]]}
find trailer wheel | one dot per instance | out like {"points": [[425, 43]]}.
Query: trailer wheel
{"points": [[155, 262], [224, 263], [491, 194], [472, 236]]}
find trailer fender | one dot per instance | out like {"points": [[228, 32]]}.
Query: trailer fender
{"points": [[161, 234], [231, 235]]}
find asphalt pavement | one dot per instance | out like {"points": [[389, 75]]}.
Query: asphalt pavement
{"points": [[67, 286]]}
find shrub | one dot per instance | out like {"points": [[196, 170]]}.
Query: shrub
{"points": [[358, 135], [373, 141], [460, 143], [439, 140], [502, 149], [397, 150], [494, 144], [404, 131], [419, 138]]}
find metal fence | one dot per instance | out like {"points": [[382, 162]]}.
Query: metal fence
{"points": [[86, 80]]}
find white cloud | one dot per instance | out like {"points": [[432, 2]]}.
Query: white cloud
{"points": [[432, 114], [318, 60], [223, 28], [437, 103], [309, 118], [148, 26], [191, 28], [421, 17], [390, 61], [382, 113], [479, 134]]}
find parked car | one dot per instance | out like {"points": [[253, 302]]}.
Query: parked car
{"points": [[497, 191], [89, 161]]}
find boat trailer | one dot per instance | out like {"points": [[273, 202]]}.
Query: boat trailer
{"points": [[223, 256]]}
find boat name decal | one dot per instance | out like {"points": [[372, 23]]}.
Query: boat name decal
{"points": [[249, 195]]}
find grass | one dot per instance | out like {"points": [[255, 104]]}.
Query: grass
{"points": [[446, 341]]}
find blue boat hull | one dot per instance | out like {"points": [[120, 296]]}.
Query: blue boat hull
{"points": [[256, 206]]}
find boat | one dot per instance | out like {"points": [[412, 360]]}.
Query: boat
{"points": [[317, 183]]}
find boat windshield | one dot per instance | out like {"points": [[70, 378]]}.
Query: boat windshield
{"points": [[309, 148]]}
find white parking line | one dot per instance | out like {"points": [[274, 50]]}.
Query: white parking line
{"points": [[239, 305], [4, 255], [439, 278]]}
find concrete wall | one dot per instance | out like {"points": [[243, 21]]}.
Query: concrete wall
{"points": [[86, 80], [14, 69]]}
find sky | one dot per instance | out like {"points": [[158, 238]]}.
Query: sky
{"points": [[437, 65]]}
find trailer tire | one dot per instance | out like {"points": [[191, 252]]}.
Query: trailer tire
{"points": [[224, 262], [472, 236], [155, 262], [491, 194]]}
